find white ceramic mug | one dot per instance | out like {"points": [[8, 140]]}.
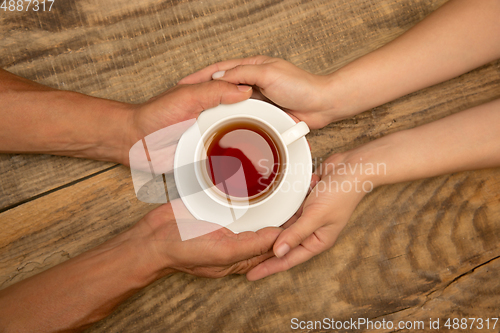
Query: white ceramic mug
{"points": [[282, 140]]}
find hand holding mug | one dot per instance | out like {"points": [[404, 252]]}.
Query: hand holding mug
{"points": [[214, 254], [177, 105], [317, 224], [304, 95]]}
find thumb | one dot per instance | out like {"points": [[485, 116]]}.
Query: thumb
{"points": [[296, 233], [253, 75], [211, 94]]}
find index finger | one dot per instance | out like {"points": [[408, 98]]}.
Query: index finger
{"points": [[312, 246], [205, 74], [275, 265]]}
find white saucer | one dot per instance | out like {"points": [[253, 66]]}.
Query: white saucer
{"points": [[274, 212]]}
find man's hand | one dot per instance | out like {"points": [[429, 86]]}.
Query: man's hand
{"points": [[39, 119], [178, 104], [215, 254], [88, 287]]}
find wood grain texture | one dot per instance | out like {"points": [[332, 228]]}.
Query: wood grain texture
{"points": [[414, 250], [25, 177], [38, 234], [134, 50]]}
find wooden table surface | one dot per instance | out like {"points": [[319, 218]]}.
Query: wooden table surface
{"points": [[411, 251]]}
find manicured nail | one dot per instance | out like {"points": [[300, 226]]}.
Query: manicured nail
{"points": [[244, 88], [218, 75], [282, 250]]}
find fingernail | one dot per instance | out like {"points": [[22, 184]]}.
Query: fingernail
{"points": [[244, 88], [218, 75], [282, 250]]}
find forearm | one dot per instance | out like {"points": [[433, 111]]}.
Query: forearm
{"points": [[82, 290], [456, 38], [38, 119], [467, 140]]}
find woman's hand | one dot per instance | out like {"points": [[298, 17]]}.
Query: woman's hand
{"points": [[325, 212], [464, 141], [307, 96]]}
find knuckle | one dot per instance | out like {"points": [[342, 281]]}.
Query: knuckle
{"points": [[216, 93], [286, 264], [264, 249], [297, 236], [217, 86], [236, 70], [319, 245], [243, 266], [263, 59], [266, 70], [215, 67], [219, 273]]}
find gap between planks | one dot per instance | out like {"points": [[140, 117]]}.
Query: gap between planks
{"points": [[2, 210]]}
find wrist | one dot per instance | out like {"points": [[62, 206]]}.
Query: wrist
{"points": [[347, 174], [150, 265], [366, 166], [360, 86], [102, 129], [379, 161], [340, 97], [67, 123]]}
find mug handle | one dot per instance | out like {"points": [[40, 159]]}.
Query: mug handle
{"points": [[296, 132]]}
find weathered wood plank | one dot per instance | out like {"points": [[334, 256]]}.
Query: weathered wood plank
{"points": [[40, 233], [69, 49], [26, 176], [404, 242], [396, 253], [465, 297], [131, 51], [401, 251]]}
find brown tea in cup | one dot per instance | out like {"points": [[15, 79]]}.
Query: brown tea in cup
{"points": [[246, 146]]}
